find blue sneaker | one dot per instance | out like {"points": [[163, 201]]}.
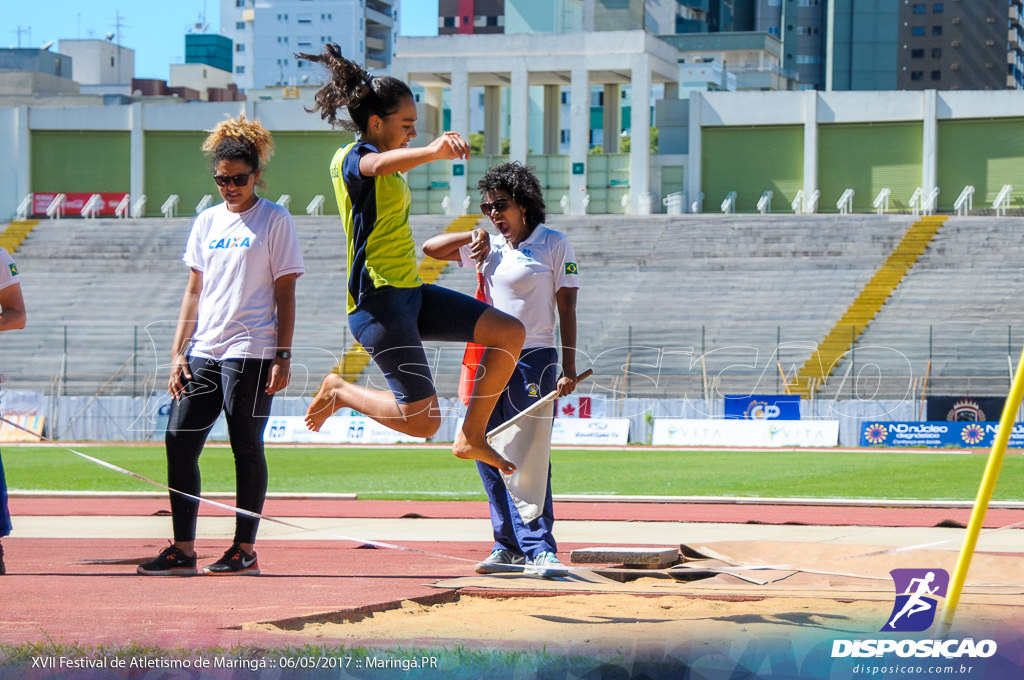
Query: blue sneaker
{"points": [[501, 561], [545, 565]]}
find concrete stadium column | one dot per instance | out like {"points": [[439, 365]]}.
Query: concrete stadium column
{"points": [[460, 123], [640, 136], [612, 116], [579, 136], [810, 145], [22, 155], [430, 129], [692, 180], [930, 143], [492, 120], [137, 152], [519, 114], [552, 119]]}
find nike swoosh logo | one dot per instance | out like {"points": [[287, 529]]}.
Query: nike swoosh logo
{"points": [[248, 562]]}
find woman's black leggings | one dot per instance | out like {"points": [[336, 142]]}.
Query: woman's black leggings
{"points": [[236, 386]]}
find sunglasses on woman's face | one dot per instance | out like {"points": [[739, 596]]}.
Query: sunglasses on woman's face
{"points": [[239, 180], [499, 204]]}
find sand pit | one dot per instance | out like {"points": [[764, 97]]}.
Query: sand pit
{"points": [[841, 592]]}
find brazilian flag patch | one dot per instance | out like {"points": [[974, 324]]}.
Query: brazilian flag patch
{"points": [[571, 268], [14, 269]]}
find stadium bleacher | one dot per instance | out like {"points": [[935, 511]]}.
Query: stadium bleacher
{"points": [[682, 303]]}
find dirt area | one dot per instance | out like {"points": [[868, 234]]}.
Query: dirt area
{"points": [[839, 592], [622, 624]]}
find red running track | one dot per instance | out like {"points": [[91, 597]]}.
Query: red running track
{"points": [[87, 592]]}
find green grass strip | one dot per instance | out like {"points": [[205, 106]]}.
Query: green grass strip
{"points": [[433, 474]]}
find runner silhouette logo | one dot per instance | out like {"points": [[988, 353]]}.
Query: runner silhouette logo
{"points": [[915, 606]]}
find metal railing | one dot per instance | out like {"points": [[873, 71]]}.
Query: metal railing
{"points": [[964, 203], [673, 203], [56, 208], [697, 206], [1002, 201], [316, 206], [170, 206], [764, 204], [24, 208], [139, 207], [881, 202], [964, 358], [204, 203], [92, 206], [123, 206], [845, 203], [729, 204]]}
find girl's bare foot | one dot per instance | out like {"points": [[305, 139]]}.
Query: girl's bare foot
{"points": [[464, 448], [325, 403]]}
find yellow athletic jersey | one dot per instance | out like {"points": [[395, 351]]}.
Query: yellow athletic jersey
{"points": [[375, 215]]}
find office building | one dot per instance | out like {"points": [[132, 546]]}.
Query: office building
{"points": [[470, 16], [267, 34], [967, 45]]}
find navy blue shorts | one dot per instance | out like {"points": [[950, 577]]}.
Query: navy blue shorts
{"points": [[392, 323]]}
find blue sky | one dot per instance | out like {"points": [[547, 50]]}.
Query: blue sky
{"points": [[155, 29]]}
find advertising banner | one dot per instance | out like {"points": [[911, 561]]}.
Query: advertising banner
{"points": [[937, 433], [335, 430], [9, 434], [75, 201], [571, 431], [745, 433], [762, 406], [576, 406], [965, 409]]}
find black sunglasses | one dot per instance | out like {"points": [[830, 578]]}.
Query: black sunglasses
{"points": [[498, 204], [239, 180]]}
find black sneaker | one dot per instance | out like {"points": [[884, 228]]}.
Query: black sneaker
{"points": [[170, 562], [3, 569], [236, 562]]}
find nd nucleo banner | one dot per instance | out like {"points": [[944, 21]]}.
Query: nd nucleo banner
{"points": [[937, 433], [762, 407]]}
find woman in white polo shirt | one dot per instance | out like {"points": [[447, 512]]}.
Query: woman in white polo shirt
{"points": [[530, 272], [232, 345], [12, 317]]}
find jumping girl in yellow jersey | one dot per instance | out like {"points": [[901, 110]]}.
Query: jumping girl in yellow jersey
{"points": [[390, 309]]}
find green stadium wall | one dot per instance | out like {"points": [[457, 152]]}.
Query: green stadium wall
{"points": [[175, 164], [80, 161], [751, 160], [868, 157], [984, 153]]}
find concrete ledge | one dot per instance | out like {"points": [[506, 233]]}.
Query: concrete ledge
{"points": [[637, 558]]}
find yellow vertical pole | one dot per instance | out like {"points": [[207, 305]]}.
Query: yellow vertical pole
{"points": [[785, 382], [988, 485]]}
